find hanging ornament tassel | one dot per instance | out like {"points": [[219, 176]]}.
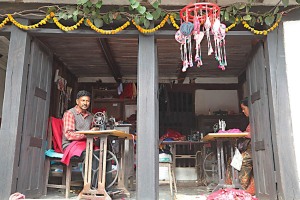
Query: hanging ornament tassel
{"points": [[189, 41], [185, 57], [220, 38], [207, 26], [198, 38]]}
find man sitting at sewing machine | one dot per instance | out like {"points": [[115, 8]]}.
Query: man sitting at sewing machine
{"points": [[74, 144], [76, 119]]}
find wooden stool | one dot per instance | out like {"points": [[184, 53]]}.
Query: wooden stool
{"points": [[172, 179]]}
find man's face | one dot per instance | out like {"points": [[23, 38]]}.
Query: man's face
{"points": [[83, 102]]}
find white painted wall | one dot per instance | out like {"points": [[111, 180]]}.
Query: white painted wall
{"points": [[291, 43], [226, 100]]}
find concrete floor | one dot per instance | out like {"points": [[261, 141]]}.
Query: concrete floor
{"points": [[183, 193]]}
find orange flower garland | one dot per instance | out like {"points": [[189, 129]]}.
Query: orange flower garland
{"points": [[4, 22], [66, 28], [263, 32], [107, 32], [125, 25], [174, 22], [25, 27], [258, 32], [146, 31]]}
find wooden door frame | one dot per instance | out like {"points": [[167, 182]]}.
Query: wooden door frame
{"points": [[280, 114], [13, 108], [150, 104]]}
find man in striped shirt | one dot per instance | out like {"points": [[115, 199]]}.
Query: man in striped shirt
{"points": [[77, 119]]}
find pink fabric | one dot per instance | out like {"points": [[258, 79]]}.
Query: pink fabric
{"points": [[235, 130], [249, 131], [17, 196], [57, 127], [75, 148], [230, 194]]}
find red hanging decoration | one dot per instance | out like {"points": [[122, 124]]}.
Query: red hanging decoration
{"points": [[197, 20], [201, 11]]}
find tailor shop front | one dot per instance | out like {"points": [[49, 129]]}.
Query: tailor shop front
{"points": [[34, 57]]}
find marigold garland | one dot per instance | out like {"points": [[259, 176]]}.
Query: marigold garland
{"points": [[174, 22], [258, 32], [66, 28], [146, 31], [232, 25], [25, 27], [4, 22], [125, 25], [107, 32], [262, 32]]}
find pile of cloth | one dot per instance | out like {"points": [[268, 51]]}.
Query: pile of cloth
{"points": [[230, 194], [173, 135]]}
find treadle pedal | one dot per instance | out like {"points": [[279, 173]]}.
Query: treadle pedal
{"points": [[115, 192]]}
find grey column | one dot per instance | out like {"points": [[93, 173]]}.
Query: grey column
{"points": [[147, 120], [13, 109]]}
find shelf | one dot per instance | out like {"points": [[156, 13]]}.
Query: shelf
{"points": [[99, 90], [115, 100]]}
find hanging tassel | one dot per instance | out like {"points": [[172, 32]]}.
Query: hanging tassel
{"points": [[198, 38], [185, 57], [207, 26], [189, 41]]}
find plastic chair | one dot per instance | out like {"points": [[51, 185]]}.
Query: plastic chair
{"points": [[54, 154]]}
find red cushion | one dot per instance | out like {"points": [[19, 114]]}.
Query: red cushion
{"points": [[57, 131]]}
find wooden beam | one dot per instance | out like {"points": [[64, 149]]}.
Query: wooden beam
{"points": [[203, 86], [129, 33], [181, 77], [147, 123], [113, 66]]}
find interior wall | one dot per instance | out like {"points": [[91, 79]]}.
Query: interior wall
{"points": [[215, 100], [246, 92], [56, 94]]}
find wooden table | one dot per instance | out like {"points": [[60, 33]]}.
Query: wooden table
{"points": [[100, 192], [221, 138]]}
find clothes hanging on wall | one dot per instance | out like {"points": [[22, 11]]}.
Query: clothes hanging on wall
{"points": [[129, 91]]}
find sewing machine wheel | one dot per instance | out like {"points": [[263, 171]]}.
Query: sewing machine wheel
{"points": [[111, 160], [99, 118], [210, 167]]}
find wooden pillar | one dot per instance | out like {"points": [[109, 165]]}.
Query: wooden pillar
{"points": [[283, 74], [13, 109], [147, 119]]}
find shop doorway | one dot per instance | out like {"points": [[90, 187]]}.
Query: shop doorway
{"points": [[37, 49]]}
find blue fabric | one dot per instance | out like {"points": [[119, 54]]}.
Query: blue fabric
{"points": [[52, 154], [186, 28]]}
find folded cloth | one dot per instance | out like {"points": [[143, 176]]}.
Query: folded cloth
{"points": [[52, 154], [75, 148], [234, 130]]}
